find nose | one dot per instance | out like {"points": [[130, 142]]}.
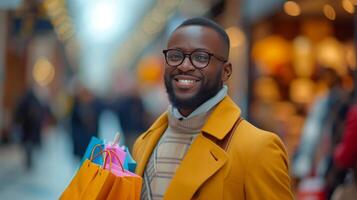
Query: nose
{"points": [[186, 65]]}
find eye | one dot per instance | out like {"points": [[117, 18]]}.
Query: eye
{"points": [[202, 57], [174, 55]]}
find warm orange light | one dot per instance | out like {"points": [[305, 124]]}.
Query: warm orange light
{"points": [[330, 53], [266, 89], [302, 90], [303, 60], [43, 72], [292, 8], [236, 36], [329, 12], [348, 6], [354, 2], [271, 52], [351, 57], [150, 70]]}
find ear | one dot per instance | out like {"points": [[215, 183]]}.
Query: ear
{"points": [[227, 71]]}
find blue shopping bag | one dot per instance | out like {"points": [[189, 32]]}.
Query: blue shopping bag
{"points": [[93, 142], [129, 162]]}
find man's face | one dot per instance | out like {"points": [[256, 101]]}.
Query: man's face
{"points": [[187, 86]]}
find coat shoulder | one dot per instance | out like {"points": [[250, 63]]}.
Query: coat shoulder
{"points": [[250, 141], [263, 161]]}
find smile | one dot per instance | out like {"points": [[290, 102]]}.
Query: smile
{"points": [[185, 82]]}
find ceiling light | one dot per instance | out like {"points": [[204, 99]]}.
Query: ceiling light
{"points": [[292, 8], [329, 12]]}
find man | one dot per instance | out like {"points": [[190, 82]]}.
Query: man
{"points": [[200, 148]]}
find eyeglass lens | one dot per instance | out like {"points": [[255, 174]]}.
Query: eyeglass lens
{"points": [[199, 59]]}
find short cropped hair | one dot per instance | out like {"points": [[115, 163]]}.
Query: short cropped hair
{"points": [[201, 21]]}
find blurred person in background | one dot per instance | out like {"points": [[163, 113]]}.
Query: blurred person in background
{"points": [[132, 117], [322, 130], [84, 119], [345, 157], [201, 148], [129, 107], [30, 117]]}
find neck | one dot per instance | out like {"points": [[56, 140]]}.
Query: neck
{"points": [[203, 107], [185, 112]]}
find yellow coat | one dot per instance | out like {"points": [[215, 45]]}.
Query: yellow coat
{"points": [[255, 165]]}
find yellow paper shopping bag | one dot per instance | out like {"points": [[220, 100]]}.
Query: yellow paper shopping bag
{"points": [[122, 189], [100, 186], [91, 181], [127, 185], [80, 181]]}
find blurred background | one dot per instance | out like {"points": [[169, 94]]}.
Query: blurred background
{"points": [[72, 69]]}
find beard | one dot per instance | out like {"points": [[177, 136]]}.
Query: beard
{"points": [[207, 91]]}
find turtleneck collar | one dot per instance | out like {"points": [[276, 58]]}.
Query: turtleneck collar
{"points": [[194, 122]]}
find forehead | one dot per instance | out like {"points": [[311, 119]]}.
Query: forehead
{"points": [[193, 37]]}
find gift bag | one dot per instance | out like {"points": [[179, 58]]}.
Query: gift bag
{"points": [[100, 185], [80, 181], [108, 180], [92, 181], [129, 162], [122, 189], [123, 154], [127, 181], [128, 188], [94, 142], [119, 154]]}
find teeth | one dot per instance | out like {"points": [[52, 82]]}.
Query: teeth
{"points": [[186, 81]]}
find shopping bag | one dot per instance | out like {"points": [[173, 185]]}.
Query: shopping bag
{"points": [[127, 182], [80, 181], [100, 186], [129, 162], [122, 189], [94, 142], [119, 154], [124, 156], [123, 153], [91, 181], [128, 188]]}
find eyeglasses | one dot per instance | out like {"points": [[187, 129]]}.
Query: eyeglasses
{"points": [[199, 58]]}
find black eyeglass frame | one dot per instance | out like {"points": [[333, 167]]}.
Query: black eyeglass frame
{"points": [[189, 57]]}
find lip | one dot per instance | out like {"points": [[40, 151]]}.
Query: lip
{"points": [[185, 77], [185, 82]]}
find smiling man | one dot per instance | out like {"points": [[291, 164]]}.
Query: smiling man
{"points": [[201, 148]]}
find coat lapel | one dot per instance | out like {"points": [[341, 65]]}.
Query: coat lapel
{"points": [[222, 119], [204, 158]]}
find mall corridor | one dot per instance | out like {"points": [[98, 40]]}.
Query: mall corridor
{"points": [[53, 167]]}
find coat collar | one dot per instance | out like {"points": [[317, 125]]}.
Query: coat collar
{"points": [[222, 119]]}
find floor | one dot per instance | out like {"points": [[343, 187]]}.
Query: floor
{"points": [[53, 168]]}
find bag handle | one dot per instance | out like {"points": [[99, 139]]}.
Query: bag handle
{"points": [[92, 157], [110, 152]]}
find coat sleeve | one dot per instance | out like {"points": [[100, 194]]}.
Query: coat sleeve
{"points": [[268, 174]]}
